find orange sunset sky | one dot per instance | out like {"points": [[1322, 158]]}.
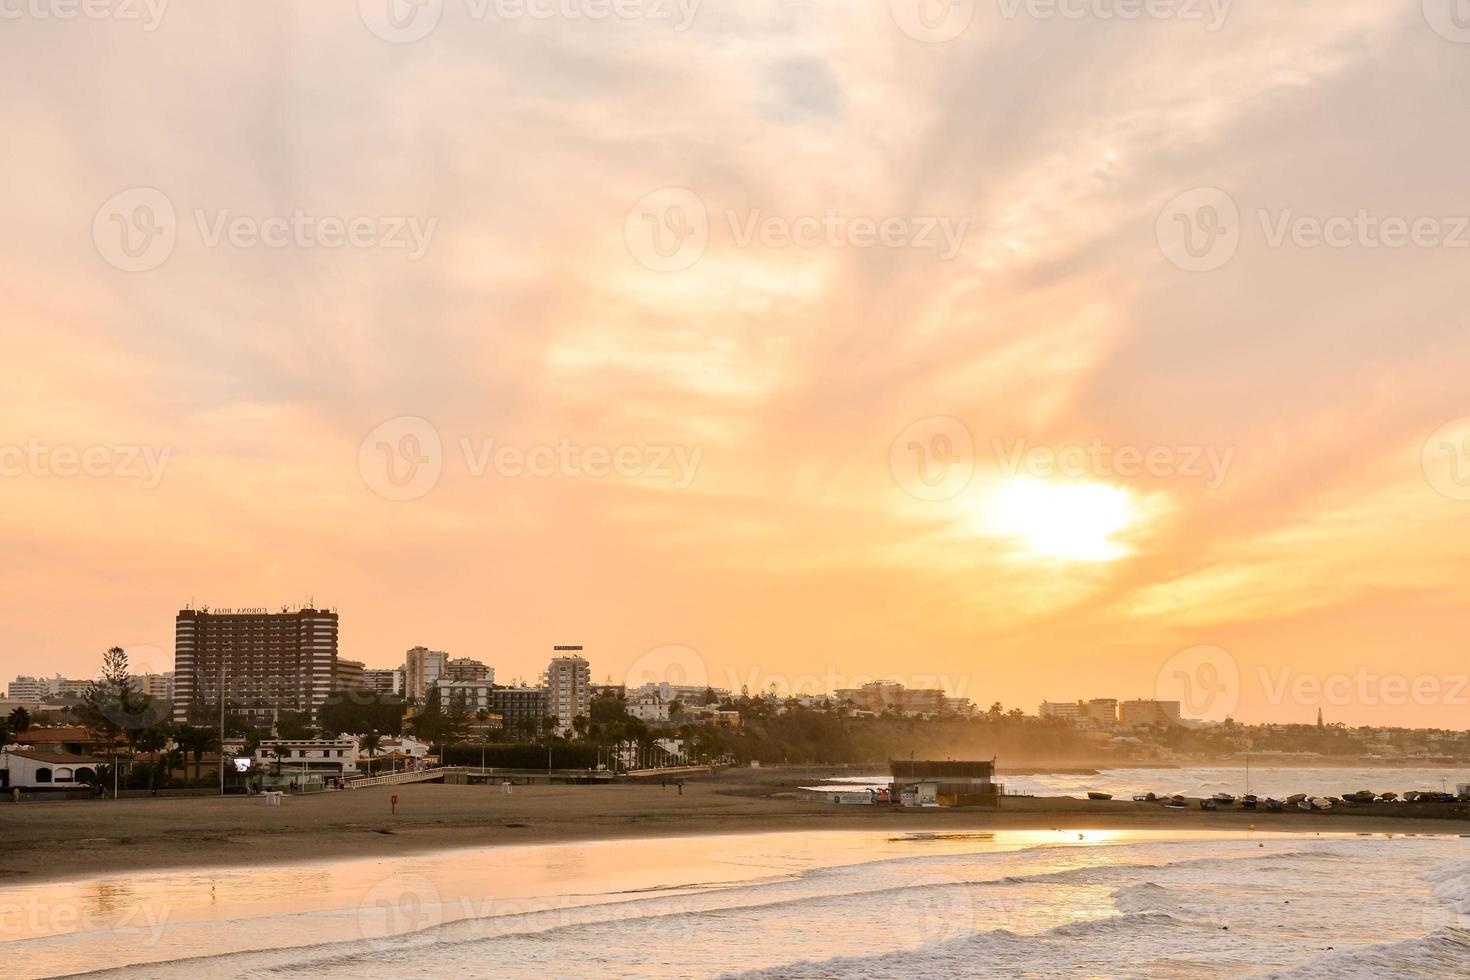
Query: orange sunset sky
{"points": [[863, 415]]}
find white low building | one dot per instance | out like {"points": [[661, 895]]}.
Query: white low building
{"points": [[32, 769], [307, 757], [648, 707]]}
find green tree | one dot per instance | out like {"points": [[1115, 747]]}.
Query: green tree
{"points": [[18, 721]]}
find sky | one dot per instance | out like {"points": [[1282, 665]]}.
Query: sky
{"points": [[1034, 351]]}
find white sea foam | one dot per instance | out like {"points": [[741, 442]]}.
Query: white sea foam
{"points": [[1273, 906]]}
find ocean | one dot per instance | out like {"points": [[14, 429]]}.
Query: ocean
{"points": [[827, 904], [1200, 781]]}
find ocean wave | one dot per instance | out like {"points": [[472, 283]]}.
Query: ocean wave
{"points": [[1442, 953]]}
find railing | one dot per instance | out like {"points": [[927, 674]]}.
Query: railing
{"points": [[408, 776]]}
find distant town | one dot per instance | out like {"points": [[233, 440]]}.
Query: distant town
{"points": [[262, 700]]}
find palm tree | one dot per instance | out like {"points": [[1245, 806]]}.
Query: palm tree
{"points": [[18, 721], [278, 753], [371, 742]]}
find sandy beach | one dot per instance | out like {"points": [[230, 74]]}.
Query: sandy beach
{"points": [[59, 840]]}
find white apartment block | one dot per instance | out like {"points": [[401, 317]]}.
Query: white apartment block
{"points": [[25, 688]]}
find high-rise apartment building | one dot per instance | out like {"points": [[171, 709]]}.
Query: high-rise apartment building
{"points": [[422, 669], [268, 662], [568, 683]]}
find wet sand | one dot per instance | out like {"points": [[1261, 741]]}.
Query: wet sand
{"points": [[56, 840]]}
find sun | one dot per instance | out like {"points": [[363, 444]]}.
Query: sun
{"points": [[1066, 520]]}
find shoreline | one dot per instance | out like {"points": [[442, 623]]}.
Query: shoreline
{"points": [[57, 841]]}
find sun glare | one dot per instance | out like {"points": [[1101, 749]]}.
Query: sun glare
{"points": [[1073, 521]]}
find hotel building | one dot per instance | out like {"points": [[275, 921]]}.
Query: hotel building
{"points": [[383, 681], [522, 708], [568, 684], [1102, 712], [465, 669], [269, 662], [422, 669], [1154, 714]]}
